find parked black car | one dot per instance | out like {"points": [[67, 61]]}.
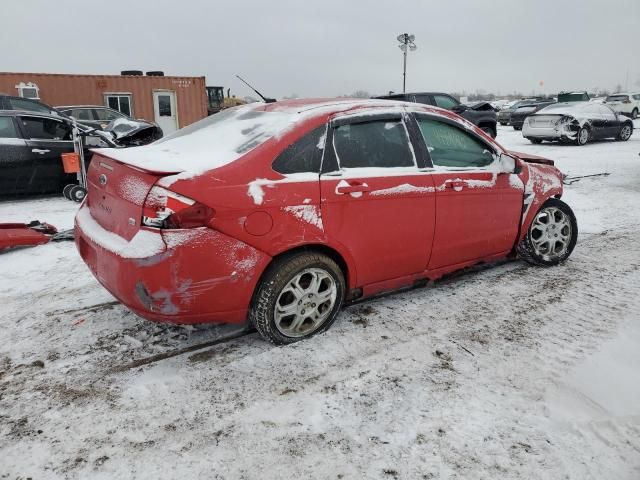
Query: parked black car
{"points": [[31, 145], [504, 115], [480, 113], [519, 114], [94, 116]]}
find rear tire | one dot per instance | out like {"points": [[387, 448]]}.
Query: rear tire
{"points": [[552, 235], [299, 296], [625, 133], [583, 136], [517, 128], [66, 190]]}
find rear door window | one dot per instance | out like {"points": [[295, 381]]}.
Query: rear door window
{"points": [[82, 114], [450, 146], [444, 101], [381, 143], [107, 115], [424, 99], [7, 128], [39, 128], [304, 155]]}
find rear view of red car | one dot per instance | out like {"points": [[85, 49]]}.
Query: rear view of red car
{"points": [[279, 213]]}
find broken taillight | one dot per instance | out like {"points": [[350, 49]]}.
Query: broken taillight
{"points": [[166, 209]]}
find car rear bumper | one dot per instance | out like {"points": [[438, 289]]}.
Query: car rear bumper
{"points": [[553, 132], [177, 276]]}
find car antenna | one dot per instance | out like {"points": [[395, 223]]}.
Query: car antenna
{"points": [[266, 100]]}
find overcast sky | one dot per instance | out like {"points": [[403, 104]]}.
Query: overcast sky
{"points": [[334, 47]]}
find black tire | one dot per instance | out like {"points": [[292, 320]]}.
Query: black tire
{"points": [[634, 114], [582, 138], [527, 251], [537, 141], [66, 191], [489, 131], [272, 286], [517, 128], [625, 132], [504, 124], [77, 193]]}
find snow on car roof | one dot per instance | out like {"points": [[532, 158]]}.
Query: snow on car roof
{"points": [[222, 138]]}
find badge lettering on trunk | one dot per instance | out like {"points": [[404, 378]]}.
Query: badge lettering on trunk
{"points": [[103, 179]]}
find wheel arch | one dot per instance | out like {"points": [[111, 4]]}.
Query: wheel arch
{"points": [[347, 268]]}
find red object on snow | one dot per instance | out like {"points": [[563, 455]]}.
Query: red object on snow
{"points": [[25, 235], [352, 180]]}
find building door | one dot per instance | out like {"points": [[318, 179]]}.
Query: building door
{"points": [[164, 108]]}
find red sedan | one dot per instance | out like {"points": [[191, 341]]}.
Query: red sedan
{"points": [[279, 213]]}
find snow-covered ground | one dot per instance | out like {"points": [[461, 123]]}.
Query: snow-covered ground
{"points": [[510, 372]]}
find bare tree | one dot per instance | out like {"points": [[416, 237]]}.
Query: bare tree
{"points": [[360, 94]]}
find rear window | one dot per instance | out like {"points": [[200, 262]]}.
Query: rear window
{"points": [[304, 155], [572, 97], [617, 98], [211, 143]]}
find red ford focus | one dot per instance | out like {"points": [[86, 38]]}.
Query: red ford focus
{"points": [[280, 213]]}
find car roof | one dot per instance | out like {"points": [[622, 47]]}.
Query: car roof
{"points": [[31, 113], [81, 106], [324, 106]]}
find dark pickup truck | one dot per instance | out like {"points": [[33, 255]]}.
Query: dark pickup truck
{"points": [[481, 113]]}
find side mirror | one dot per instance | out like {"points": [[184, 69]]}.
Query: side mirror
{"points": [[507, 164]]}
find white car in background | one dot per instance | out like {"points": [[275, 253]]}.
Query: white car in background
{"points": [[625, 103]]}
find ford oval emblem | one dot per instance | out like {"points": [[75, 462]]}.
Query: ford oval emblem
{"points": [[103, 179]]}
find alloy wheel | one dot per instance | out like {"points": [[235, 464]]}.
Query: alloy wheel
{"points": [[625, 134], [583, 136], [550, 233], [305, 302]]}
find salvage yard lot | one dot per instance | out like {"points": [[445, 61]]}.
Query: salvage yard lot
{"points": [[510, 371]]}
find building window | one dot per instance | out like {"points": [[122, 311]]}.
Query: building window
{"points": [[120, 102], [28, 90]]}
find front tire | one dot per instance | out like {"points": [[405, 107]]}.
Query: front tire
{"points": [[535, 141], [552, 235], [634, 114], [299, 296], [517, 128]]}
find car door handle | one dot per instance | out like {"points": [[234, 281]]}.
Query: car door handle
{"points": [[352, 187], [456, 185], [40, 151]]}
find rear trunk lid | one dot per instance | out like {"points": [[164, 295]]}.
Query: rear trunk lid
{"points": [[116, 194], [542, 121]]}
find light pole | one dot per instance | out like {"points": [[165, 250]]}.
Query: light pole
{"points": [[406, 44]]}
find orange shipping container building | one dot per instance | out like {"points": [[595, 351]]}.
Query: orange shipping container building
{"points": [[171, 102]]}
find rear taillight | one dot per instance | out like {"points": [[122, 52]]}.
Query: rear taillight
{"points": [[166, 209]]}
